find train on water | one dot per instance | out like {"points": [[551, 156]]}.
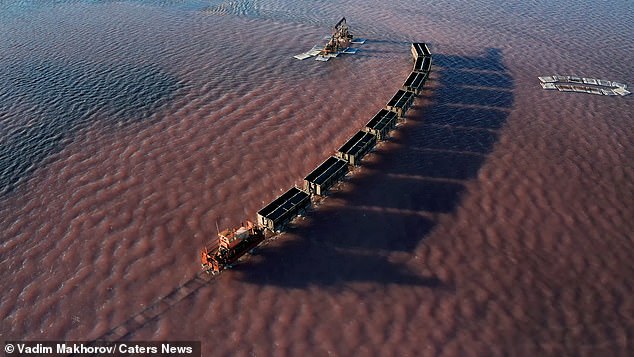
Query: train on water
{"points": [[234, 243]]}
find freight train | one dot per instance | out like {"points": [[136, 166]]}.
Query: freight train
{"points": [[274, 217]]}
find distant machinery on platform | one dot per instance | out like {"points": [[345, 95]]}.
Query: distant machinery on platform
{"points": [[339, 42]]}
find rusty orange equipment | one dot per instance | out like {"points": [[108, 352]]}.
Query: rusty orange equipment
{"points": [[340, 39], [232, 244]]}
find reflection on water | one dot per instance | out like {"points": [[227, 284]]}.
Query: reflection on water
{"points": [[64, 98]]}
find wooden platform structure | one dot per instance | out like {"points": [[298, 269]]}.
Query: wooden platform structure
{"points": [[277, 214], [356, 147], [400, 102], [325, 175], [415, 82], [381, 124]]}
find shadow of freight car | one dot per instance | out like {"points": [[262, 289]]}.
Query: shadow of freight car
{"points": [[390, 209], [63, 98]]}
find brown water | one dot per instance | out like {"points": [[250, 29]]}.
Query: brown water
{"points": [[496, 221]]}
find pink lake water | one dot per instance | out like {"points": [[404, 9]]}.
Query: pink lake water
{"points": [[496, 221]]}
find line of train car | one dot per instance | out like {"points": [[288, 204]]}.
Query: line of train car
{"points": [[274, 217]]}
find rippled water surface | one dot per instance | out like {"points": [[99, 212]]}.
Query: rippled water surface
{"points": [[496, 221]]}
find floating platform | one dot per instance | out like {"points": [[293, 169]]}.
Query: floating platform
{"points": [[356, 147], [277, 214], [326, 57], [313, 52], [381, 124], [583, 85], [325, 175], [400, 102], [415, 82]]}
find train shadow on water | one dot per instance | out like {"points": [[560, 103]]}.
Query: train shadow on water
{"points": [[389, 209]]}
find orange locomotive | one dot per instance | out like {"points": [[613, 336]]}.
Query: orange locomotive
{"points": [[232, 244]]}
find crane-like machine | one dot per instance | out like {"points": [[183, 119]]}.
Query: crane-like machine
{"points": [[339, 42]]}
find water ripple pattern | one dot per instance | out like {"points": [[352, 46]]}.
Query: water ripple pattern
{"points": [[495, 221]]}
